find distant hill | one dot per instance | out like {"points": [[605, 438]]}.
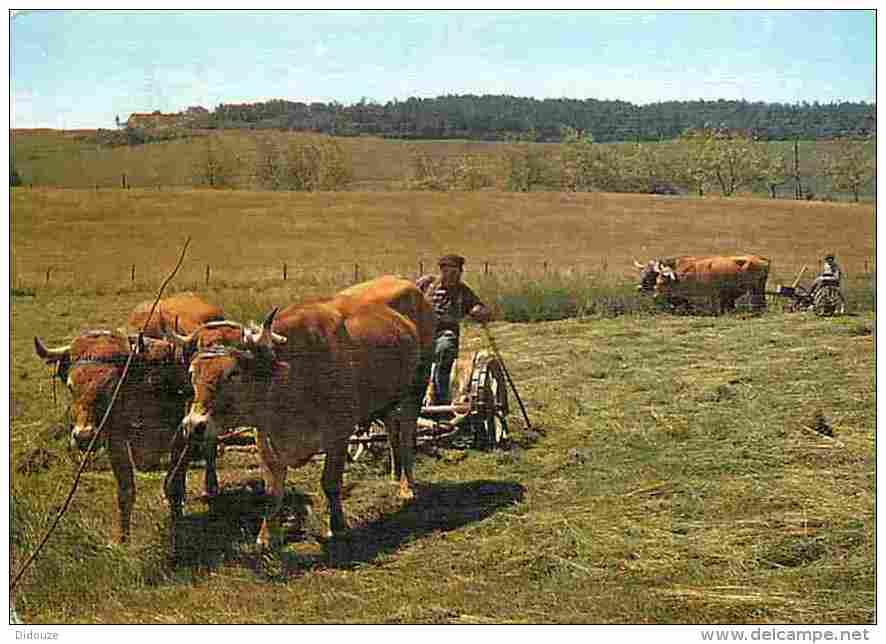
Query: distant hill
{"points": [[499, 117]]}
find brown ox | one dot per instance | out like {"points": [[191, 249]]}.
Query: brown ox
{"points": [[343, 363], [140, 422], [404, 296], [149, 406], [206, 337], [719, 280], [183, 311]]}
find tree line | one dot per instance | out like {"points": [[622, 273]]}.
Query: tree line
{"points": [[702, 162], [501, 117]]}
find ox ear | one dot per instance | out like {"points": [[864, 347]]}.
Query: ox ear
{"points": [[665, 271], [50, 355]]}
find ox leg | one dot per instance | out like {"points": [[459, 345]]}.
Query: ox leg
{"points": [[121, 463], [333, 469], [174, 486], [210, 449], [392, 427], [275, 470], [403, 452], [758, 299]]}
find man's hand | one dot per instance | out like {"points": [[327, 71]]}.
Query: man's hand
{"points": [[480, 313]]}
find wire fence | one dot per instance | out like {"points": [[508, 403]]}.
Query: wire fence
{"points": [[135, 277]]}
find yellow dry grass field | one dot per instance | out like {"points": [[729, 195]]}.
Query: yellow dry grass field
{"points": [[87, 239]]}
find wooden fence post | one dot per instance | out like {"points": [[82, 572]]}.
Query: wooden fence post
{"points": [[48, 273], [421, 268], [486, 268], [284, 271], [133, 272], [123, 180], [356, 273], [207, 275]]}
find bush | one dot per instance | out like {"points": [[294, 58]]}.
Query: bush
{"points": [[538, 304], [522, 297], [526, 168], [464, 172]]}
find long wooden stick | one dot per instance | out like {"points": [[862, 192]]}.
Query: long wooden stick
{"points": [[799, 275], [495, 352]]}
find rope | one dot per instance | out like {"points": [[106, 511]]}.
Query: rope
{"points": [[92, 443]]}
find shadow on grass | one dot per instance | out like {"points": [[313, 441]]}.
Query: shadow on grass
{"points": [[227, 531], [437, 507]]}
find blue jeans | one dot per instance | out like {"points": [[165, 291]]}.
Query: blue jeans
{"points": [[445, 353]]}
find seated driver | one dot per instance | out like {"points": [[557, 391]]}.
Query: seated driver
{"points": [[830, 272]]}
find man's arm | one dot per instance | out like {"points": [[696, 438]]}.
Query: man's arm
{"points": [[474, 307]]}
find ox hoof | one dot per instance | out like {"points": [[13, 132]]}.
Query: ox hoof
{"points": [[333, 536]]}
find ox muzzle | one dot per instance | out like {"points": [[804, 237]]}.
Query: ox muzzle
{"points": [[82, 437]]}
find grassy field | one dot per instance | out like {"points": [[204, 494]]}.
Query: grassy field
{"points": [[681, 469], [90, 240]]}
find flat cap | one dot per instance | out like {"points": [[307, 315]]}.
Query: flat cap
{"points": [[452, 260]]}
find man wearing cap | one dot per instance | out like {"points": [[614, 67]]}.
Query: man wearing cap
{"points": [[452, 300], [830, 272]]}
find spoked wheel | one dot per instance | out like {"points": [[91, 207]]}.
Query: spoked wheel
{"points": [[828, 301], [367, 440], [488, 393]]}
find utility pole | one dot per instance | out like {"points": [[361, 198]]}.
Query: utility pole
{"points": [[798, 189]]}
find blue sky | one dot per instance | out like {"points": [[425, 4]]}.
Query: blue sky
{"points": [[80, 69]]}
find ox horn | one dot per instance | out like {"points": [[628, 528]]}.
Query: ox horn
{"points": [[173, 336], [266, 338], [50, 355], [638, 265]]}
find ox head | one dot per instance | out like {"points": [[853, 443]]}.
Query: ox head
{"points": [[91, 366], [654, 275], [218, 333], [164, 370], [227, 383]]}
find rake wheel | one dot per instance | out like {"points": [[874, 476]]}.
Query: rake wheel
{"points": [[828, 300], [488, 392]]}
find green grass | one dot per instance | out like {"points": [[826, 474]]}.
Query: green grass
{"points": [[671, 477], [674, 472]]}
